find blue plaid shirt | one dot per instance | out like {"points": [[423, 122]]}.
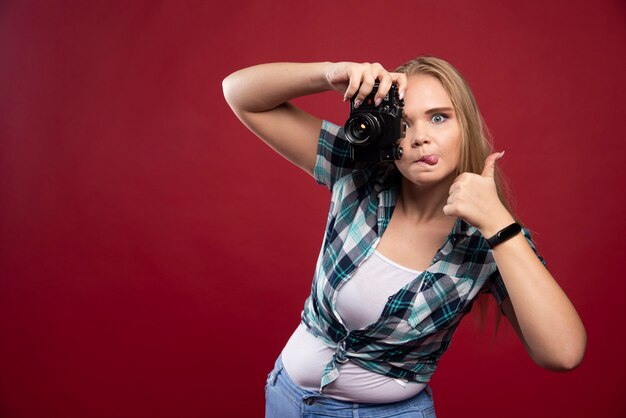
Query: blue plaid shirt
{"points": [[417, 323]]}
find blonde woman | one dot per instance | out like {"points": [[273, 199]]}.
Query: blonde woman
{"points": [[409, 244]]}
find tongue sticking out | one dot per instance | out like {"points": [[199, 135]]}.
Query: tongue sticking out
{"points": [[429, 159]]}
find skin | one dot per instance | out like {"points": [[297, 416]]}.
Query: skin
{"points": [[418, 226], [431, 198]]}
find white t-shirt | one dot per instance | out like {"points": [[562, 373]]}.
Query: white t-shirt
{"points": [[360, 302]]}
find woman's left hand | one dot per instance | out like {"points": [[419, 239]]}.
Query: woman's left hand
{"points": [[474, 198]]}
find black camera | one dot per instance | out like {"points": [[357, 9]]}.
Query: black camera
{"points": [[373, 131]]}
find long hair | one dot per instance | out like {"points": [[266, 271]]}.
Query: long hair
{"points": [[476, 142]]}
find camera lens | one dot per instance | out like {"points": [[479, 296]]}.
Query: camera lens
{"points": [[361, 129]]}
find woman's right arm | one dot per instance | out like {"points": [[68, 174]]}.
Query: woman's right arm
{"points": [[260, 97]]}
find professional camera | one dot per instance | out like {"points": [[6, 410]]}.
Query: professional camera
{"points": [[373, 131]]}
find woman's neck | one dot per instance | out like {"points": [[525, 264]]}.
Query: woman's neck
{"points": [[423, 203]]}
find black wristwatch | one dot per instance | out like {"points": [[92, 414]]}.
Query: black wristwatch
{"points": [[504, 234]]}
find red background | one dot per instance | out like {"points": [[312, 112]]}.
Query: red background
{"points": [[155, 256]]}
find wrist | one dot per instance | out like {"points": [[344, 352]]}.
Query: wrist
{"points": [[496, 224]]}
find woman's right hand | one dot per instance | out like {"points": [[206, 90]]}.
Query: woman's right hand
{"points": [[260, 97], [357, 80]]}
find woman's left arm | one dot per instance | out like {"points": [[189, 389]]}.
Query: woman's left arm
{"points": [[537, 308]]}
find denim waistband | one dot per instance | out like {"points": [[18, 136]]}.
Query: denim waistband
{"points": [[313, 400]]}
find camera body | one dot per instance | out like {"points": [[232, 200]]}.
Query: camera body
{"points": [[373, 131]]}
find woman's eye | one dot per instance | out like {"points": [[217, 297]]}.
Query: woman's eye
{"points": [[439, 118], [406, 123]]}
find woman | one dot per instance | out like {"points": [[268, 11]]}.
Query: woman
{"points": [[382, 309]]}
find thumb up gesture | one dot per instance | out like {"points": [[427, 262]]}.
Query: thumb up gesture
{"points": [[474, 198]]}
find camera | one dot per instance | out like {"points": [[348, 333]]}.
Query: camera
{"points": [[373, 131]]}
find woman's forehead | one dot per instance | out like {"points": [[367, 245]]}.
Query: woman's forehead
{"points": [[425, 92]]}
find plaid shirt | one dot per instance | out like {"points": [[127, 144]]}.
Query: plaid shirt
{"points": [[417, 323]]}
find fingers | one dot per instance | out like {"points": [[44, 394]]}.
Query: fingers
{"points": [[455, 186], [490, 164], [362, 79], [457, 194], [401, 81], [384, 84], [367, 83], [474, 198], [354, 83], [449, 210]]}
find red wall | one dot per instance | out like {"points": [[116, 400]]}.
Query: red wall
{"points": [[155, 256]]}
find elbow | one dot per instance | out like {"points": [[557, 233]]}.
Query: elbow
{"points": [[232, 90], [227, 87], [567, 358], [564, 364], [233, 86]]}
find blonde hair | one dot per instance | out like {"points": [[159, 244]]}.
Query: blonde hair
{"points": [[476, 143]]}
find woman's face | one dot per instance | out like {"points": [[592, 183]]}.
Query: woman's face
{"points": [[432, 144]]}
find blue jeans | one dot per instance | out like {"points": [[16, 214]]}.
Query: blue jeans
{"points": [[285, 399]]}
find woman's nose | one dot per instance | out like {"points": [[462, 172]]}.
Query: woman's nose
{"points": [[419, 139], [420, 134]]}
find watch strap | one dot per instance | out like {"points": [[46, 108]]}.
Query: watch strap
{"points": [[504, 234]]}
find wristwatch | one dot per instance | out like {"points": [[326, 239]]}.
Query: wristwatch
{"points": [[504, 234]]}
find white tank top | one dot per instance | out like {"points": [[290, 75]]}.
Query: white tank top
{"points": [[360, 302]]}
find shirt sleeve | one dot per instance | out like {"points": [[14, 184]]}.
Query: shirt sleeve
{"points": [[333, 155], [495, 284]]}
